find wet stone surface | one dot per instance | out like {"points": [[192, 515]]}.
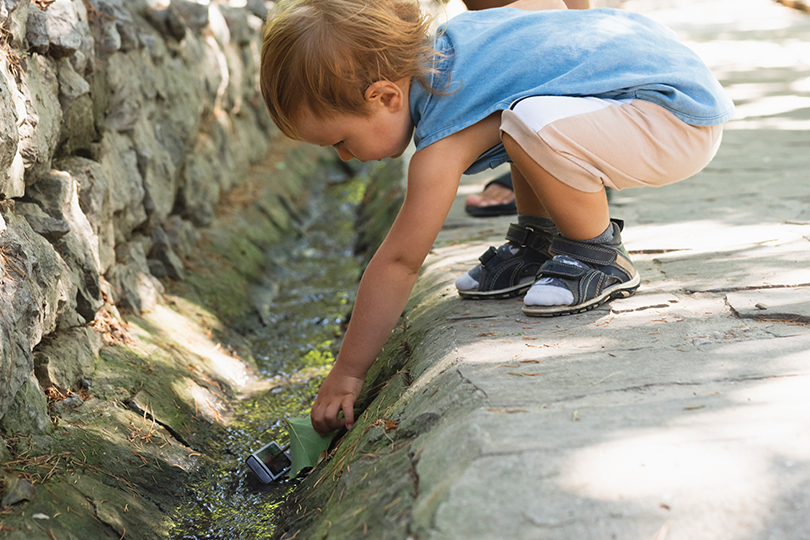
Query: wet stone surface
{"points": [[300, 305]]}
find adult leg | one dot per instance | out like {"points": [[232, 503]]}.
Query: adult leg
{"points": [[497, 199], [496, 193], [486, 4]]}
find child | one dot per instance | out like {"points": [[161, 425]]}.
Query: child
{"points": [[575, 100]]}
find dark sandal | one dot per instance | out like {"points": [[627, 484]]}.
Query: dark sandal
{"points": [[492, 210], [505, 275], [610, 274]]}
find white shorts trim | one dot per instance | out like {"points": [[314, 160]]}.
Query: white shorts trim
{"points": [[539, 111]]}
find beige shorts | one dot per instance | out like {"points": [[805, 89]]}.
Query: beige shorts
{"points": [[589, 142]]}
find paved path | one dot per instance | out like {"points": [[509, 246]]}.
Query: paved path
{"points": [[684, 411]]}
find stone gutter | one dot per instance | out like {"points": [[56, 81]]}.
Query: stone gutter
{"points": [[112, 457], [141, 182]]}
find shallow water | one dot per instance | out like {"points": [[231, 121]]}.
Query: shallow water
{"points": [[305, 295]]}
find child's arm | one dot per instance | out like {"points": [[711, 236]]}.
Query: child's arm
{"points": [[433, 177]]}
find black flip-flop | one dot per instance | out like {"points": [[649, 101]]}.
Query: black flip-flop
{"points": [[507, 209]]}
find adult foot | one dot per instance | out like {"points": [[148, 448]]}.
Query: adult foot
{"points": [[497, 199]]}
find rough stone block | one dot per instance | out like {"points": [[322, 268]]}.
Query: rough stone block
{"points": [[9, 134], [57, 193], [5, 455], [50, 227], [160, 173], [16, 20], [78, 126], [163, 252], [63, 28], [182, 104], [200, 189], [65, 357], [95, 202], [71, 84], [124, 23], [139, 290], [28, 413], [126, 98], [39, 133], [168, 22], [120, 161], [195, 14], [257, 8], [183, 237], [240, 30], [36, 294], [36, 32]]}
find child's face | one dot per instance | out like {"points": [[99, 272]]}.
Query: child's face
{"points": [[384, 133]]}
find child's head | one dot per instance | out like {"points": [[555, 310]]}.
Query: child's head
{"points": [[322, 55]]}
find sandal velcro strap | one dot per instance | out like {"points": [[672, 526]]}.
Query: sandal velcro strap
{"points": [[510, 270], [488, 255], [583, 251], [526, 236], [559, 269]]}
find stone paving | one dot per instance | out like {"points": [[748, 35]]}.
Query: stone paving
{"points": [[682, 412]]}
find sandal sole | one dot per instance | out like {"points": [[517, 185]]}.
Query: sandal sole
{"points": [[620, 290], [493, 210], [500, 294]]}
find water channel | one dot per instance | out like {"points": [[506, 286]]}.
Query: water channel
{"points": [[301, 304]]}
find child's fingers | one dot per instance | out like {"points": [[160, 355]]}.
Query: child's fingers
{"points": [[320, 419], [348, 411], [327, 419], [318, 422]]}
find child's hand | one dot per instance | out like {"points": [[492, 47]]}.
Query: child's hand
{"points": [[338, 393]]}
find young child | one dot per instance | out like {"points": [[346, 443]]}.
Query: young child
{"points": [[575, 100]]}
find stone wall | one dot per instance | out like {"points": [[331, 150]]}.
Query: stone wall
{"points": [[121, 123]]}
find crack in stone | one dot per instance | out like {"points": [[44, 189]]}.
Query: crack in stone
{"points": [[414, 462], [146, 414], [674, 383], [747, 288], [776, 317], [474, 318], [642, 308]]}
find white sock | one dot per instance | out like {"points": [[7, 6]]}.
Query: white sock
{"points": [[550, 291]]}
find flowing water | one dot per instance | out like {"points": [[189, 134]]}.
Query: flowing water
{"points": [[301, 303]]}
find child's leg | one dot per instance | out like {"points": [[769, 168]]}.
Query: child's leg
{"points": [[510, 269], [567, 150], [578, 215]]}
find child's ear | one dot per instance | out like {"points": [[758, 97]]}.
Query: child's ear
{"points": [[387, 94]]}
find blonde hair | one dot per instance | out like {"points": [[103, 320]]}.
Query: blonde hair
{"points": [[324, 54]]}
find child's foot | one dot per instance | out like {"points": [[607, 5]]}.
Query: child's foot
{"points": [[510, 269], [582, 276]]}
